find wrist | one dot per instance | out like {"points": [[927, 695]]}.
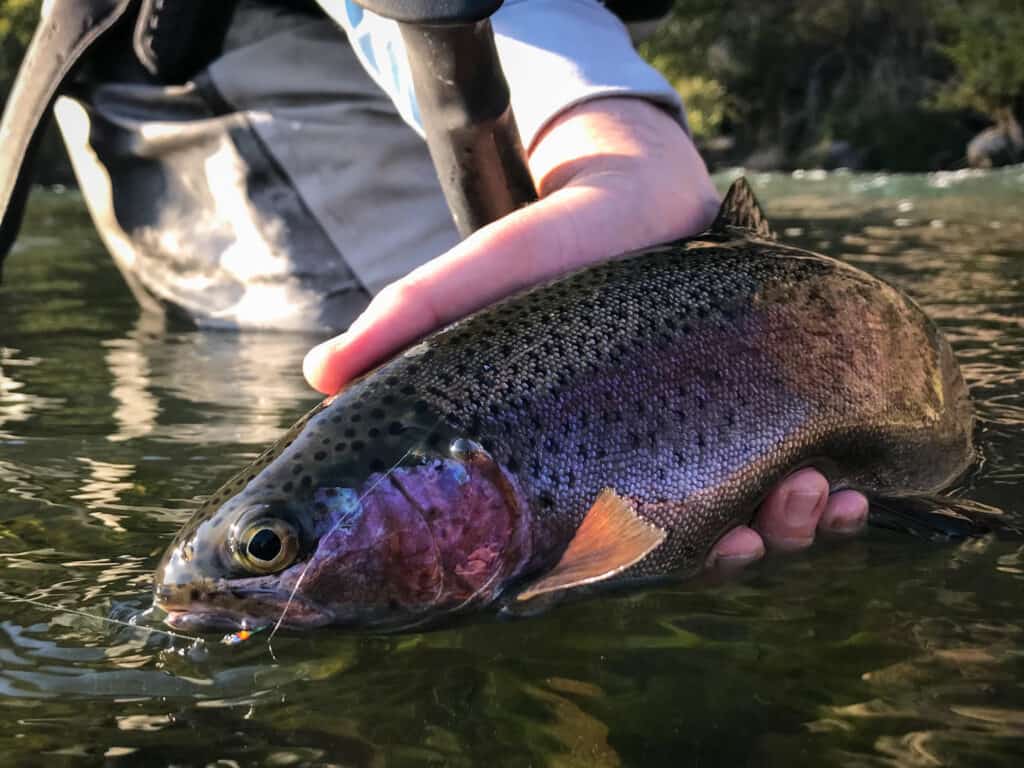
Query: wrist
{"points": [[638, 154]]}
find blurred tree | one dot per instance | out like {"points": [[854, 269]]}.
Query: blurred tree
{"points": [[984, 40], [17, 20], [826, 82], [899, 84]]}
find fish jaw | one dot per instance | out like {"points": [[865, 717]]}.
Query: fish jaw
{"points": [[235, 604]]}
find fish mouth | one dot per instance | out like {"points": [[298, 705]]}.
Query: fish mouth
{"points": [[202, 621], [234, 609]]}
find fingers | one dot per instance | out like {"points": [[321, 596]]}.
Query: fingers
{"points": [[740, 546], [790, 517], [846, 512], [800, 506]]}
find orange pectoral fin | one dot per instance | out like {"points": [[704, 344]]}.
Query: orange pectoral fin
{"points": [[611, 538]]}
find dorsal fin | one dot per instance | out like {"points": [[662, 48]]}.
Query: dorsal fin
{"points": [[741, 211], [611, 538]]}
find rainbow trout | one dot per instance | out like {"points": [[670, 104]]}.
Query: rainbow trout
{"points": [[611, 425]]}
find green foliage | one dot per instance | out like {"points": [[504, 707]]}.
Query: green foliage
{"points": [[17, 21], [889, 77], [892, 77], [984, 40], [707, 105]]}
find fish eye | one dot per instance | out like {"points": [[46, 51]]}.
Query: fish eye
{"points": [[267, 546]]}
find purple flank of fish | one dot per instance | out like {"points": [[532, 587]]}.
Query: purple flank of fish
{"points": [[609, 426]]}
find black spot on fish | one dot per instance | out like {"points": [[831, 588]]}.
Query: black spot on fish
{"points": [[358, 445], [349, 432], [320, 456], [408, 389], [297, 469], [356, 418], [377, 413], [287, 487], [395, 428], [307, 480], [340, 446]]}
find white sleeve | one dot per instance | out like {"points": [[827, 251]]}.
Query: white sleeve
{"points": [[555, 54], [559, 53]]}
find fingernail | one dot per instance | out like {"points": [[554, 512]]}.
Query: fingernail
{"points": [[314, 361], [800, 508], [849, 524]]}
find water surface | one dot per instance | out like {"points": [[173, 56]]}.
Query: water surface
{"points": [[881, 651]]}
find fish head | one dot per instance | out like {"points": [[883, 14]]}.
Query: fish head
{"points": [[355, 542]]}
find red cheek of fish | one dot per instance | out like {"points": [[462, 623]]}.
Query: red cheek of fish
{"points": [[475, 520], [386, 559]]}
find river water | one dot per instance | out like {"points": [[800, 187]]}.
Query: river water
{"points": [[885, 650]]}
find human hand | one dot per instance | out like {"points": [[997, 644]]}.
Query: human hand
{"points": [[613, 175]]}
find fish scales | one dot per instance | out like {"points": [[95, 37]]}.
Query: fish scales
{"points": [[690, 380], [687, 379]]}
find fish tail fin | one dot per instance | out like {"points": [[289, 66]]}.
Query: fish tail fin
{"points": [[942, 517]]}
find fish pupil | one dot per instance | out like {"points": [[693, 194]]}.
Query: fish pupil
{"points": [[265, 545]]}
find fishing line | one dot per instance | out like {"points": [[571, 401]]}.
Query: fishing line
{"points": [[76, 612]]}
